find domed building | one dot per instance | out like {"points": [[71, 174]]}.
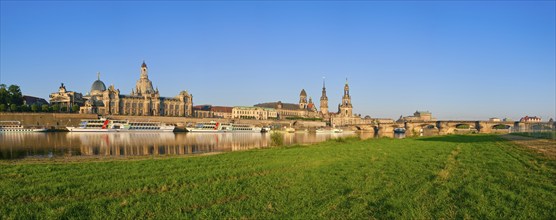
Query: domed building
{"points": [[98, 87], [143, 100]]}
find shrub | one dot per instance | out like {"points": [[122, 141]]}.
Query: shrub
{"points": [[276, 139]]}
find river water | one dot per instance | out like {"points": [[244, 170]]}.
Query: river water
{"points": [[68, 144]]}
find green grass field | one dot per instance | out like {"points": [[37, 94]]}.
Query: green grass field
{"points": [[479, 176]]}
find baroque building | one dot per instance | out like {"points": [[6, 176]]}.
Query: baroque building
{"points": [[304, 109], [345, 114], [324, 102], [144, 100], [66, 99]]}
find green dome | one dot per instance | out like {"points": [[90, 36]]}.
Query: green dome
{"points": [[98, 86]]}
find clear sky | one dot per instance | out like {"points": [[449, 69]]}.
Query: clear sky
{"points": [[459, 60]]}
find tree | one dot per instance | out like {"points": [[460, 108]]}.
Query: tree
{"points": [[34, 107], [3, 107], [56, 108], [44, 108], [75, 108], [13, 107], [64, 109], [15, 95], [24, 108], [4, 94]]}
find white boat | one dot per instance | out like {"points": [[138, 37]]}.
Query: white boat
{"points": [[15, 126], [210, 127], [108, 125], [329, 131], [245, 128]]}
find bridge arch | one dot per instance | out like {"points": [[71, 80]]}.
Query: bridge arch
{"points": [[464, 126], [501, 126]]}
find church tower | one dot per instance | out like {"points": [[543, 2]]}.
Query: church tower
{"points": [[346, 109], [323, 100], [143, 85], [303, 99]]}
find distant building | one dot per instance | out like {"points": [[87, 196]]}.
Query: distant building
{"points": [[222, 111], [66, 99], [202, 111], [507, 119], [530, 119], [209, 111], [345, 115], [494, 120], [258, 113], [304, 109], [418, 116], [143, 100], [31, 100]]}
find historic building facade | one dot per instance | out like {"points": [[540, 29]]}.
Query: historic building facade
{"points": [[304, 109], [417, 116], [66, 99], [143, 100], [345, 114], [324, 102], [258, 113]]}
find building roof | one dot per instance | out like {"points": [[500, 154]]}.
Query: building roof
{"points": [[287, 106], [29, 100], [303, 93], [144, 64], [222, 109], [98, 86]]}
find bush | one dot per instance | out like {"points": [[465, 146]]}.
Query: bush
{"points": [[44, 108], [277, 139], [34, 107], [3, 107], [13, 107]]}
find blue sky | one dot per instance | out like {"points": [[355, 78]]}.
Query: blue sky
{"points": [[459, 60]]}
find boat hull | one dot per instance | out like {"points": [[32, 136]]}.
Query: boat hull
{"points": [[162, 129]]}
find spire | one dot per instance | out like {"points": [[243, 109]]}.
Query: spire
{"points": [[144, 64], [98, 75], [323, 86]]}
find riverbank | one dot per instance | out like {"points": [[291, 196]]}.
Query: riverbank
{"points": [[480, 176]]}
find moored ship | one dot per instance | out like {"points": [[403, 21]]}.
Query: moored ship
{"points": [[15, 126], [210, 127], [245, 128], [328, 131], [108, 125]]}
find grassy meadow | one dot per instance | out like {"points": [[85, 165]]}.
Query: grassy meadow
{"points": [[476, 176]]}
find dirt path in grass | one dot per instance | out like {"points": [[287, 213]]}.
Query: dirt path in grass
{"points": [[545, 147]]}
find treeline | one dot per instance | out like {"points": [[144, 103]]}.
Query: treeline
{"points": [[11, 100]]}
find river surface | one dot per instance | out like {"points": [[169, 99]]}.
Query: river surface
{"points": [[71, 144]]}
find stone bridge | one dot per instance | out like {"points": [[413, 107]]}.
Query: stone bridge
{"points": [[440, 127]]}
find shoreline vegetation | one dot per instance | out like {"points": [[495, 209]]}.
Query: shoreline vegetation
{"points": [[454, 176]]}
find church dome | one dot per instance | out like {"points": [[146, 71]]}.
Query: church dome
{"points": [[303, 93], [98, 86]]}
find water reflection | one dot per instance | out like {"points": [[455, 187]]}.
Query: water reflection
{"points": [[46, 145]]}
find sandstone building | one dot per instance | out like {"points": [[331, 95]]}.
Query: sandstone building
{"points": [[345, 114], [304, 109], [66, 99], [258, 113], [143, 100]]}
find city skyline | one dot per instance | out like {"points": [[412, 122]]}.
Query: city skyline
{"points": [[459, 60]]}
